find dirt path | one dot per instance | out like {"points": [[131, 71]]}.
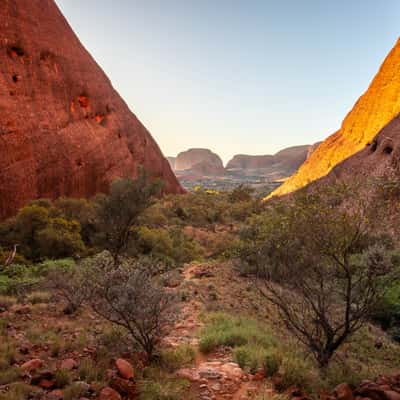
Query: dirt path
{"points": [[214, 376]]}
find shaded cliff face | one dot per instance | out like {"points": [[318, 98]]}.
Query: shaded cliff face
{"points": [[64, 131], [379, 104], [285, 161], [205, 158]]}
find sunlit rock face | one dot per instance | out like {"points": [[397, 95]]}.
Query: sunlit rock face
{"points": [[203, 160], [373, 110], [64, 130], [379, 158]]}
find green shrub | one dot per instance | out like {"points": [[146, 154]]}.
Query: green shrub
{"points": [[224, 330], [74, 391], [20, 391], [173, 359], [62, 378], [271, 362], [297, 372], [252, 358], [9, 375], [90, 371], [158, 385]]}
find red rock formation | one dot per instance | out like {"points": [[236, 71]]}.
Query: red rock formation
{"points": [[373, 110], [186, 160], [379, 158], [283, 163], [64, 131]]}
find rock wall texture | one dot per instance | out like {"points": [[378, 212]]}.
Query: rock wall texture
{"points": [[379, 158], [64, 131], [188, 159], [374, 109]]}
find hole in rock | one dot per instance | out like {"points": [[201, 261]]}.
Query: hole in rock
{"points": [[99, 118], [83, 101], [79, 162], [12, 93], [16, 51], [388, 149], [374, 146], [15, 78]]}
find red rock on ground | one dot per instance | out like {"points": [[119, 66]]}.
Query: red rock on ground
{"points": [[68, 364], [32, 365], [109, 394], [64, 130], [124, 368]]}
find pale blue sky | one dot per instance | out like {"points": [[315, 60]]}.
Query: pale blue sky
{"points": [[237, 76]]}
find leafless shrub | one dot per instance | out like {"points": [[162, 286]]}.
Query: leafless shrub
{"points": [[131, 296]]}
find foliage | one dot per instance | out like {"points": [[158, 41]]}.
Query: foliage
{"points": [[387, 311], [171, 246], [158, 385], [132, 297], [120, 210], [344, 272], [38, 234], [173, 359]]}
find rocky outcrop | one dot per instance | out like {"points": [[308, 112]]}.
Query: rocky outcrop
{"points": [[199, 161], [380, 157], [64, 131], [281, 164], [373, 110]]}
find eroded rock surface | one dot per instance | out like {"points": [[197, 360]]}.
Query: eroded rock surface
{"points": [[64, 131]]}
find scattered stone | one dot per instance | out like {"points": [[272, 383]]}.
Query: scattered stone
{"points": [[124, 387], [108, 393], [125, 368], [69, 364], [32, 365]]}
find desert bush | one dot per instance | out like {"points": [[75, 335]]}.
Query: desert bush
{"points": [[345, 270], [9, 375], [116, 213], [295, 371], [20, 391], [132, 297], [89, 371], [60, 238], [62, 378], [224, 330], [39, 235], [171, 246], [74, 391], [159, 385], [173, 359], [69, 282]]}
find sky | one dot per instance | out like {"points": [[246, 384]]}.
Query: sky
{"points": [[237, 76]]}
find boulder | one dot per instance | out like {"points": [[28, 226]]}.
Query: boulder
{"points": [[32, 365], [125, 369]]}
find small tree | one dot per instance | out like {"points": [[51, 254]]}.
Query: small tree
{"points": [[118, 211], [132, 297], [322, 269]]}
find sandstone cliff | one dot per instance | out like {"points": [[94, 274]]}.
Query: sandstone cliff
{"points": [[285, 162], [199, 160], [379, 104], [379, 158], [64, 131]]}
